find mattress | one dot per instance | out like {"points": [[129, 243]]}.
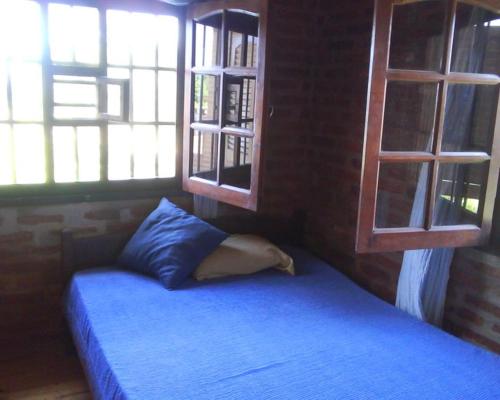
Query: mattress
{"points": [[262, 337]]}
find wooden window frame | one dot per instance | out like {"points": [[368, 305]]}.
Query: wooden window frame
{"points": [[50, 191], [372, 239], [245, 198]]}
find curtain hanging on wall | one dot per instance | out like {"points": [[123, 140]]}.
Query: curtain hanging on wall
{"points": [[424, 274]]}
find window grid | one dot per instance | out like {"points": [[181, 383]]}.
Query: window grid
{"points": [[370, 238], [225, 70], [50, 69]]}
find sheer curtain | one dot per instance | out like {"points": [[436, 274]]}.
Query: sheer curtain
{"points": [[424, 274]]}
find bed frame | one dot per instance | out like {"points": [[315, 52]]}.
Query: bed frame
{"points": [[100, 250]]}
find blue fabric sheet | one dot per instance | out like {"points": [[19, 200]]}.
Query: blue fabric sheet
{"points": [[262, 337]]}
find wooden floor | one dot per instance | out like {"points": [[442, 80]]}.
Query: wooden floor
{"points": [[47, 370]]}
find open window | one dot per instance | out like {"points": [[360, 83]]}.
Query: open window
{"points": [[432, 143], [224, 100]]}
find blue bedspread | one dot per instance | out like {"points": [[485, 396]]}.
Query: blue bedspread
{"points": [[262, 337]]}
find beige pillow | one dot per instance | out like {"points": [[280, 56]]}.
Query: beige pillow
{"points": [[243, 255]]}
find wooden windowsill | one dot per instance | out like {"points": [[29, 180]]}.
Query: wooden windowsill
{"points": [[77, 193]]}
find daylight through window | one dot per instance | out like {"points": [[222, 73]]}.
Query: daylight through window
{"points": [[91, 98]]}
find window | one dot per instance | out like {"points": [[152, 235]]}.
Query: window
{"points": [[432, 144], [88, 94], [225, 70]]}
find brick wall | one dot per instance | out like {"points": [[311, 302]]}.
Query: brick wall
{"points": [[292, 30], [31, 279], [336, 140], [473, 299]]}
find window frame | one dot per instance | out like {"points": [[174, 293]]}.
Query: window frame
{"points": [[369, 238], [495, 231], [87, 191], [245, 198]]}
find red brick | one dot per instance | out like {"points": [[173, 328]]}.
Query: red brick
{"points": [[104, 214], [122, 227], [39, 219], [17, 237], [470, 316], [141, 211], [471, 335], [77, 231], [483, 305]]}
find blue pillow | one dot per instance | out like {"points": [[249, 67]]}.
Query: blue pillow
{"points": [[170, 244]]}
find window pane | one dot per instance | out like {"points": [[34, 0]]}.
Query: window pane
{"points": [[20, 30], [61, 43], [459, 194], [4, 106], [88, 145], [166, 151], [73, 78], [237, 161], [76, 156], [205, 150], [235, 49], [29, 153], [63, 112], [6, 170], [118, 36], [402, 190], [144, 145], [74, 34], [207, 41], [199, 37], [246, 151], [212, 49], [409, 116], [252, 52], [86, 35], [27, 99], [206, 98], [417, 35], [143, 39], [143, 95], [470, 117], [75, 97], [476, 40], [118, 73], [119, 152], [168, 30], [240, 96], [71, 93], [65, 168], [114, 94], [242, 39], [167, 96]]}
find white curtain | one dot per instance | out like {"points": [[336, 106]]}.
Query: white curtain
{"points": [[424, 273]]}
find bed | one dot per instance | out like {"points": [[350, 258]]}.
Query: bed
{"points": [[265, 336]]}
